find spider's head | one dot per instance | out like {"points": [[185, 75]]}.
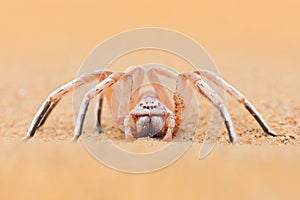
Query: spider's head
{"points": [[150, 117]]}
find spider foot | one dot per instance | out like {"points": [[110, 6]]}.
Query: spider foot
{"points": [[129, 137], [74, 138], [99, 128], [26, 138], [168, 137], [274, 134]]}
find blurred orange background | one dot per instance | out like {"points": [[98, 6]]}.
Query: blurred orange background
{"points": [[255, 45], [252, 29], [248, 34]]}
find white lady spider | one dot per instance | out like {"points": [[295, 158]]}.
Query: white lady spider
{"points": [[151, 112]]}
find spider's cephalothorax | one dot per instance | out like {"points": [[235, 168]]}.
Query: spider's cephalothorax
{"points": [[152, 113]]}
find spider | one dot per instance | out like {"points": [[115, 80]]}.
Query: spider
{"points": [[151, 113]]}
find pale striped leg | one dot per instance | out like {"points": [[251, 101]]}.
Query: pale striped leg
{"points": [[129, 128], [52, 100], [198, 83], [52, 106], [137, 74], [171, 122], [105, 84], [98, 115], [161, 93], [238, 96]]}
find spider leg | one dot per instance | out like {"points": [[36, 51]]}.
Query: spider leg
{"points": [[43, 120], [105, 84], [183, 95], [161, 93], [50, 103], [171, 122], [161, 70], [98, 115], [137, 74], [198, 83], [128, 128], [239, 97], [37, 119]]}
